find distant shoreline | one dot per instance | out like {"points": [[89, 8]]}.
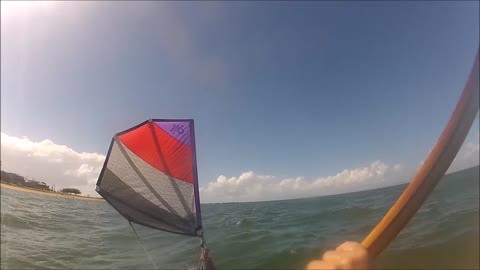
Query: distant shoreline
{"points": [[50, 193]]}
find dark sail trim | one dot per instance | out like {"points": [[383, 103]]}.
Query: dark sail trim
{"points": [[195, 177], [100, 178]]}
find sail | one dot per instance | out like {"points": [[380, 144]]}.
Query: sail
{"points": [[150, 176]]}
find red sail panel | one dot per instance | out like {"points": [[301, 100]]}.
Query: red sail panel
{"points": [[162, 151]]}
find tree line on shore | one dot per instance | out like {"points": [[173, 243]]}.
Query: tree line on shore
{"points": [[13, 178]]}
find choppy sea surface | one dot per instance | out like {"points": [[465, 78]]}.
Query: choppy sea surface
{"points": [[42, 232]]}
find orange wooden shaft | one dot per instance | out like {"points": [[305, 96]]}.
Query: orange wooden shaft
{"points": [[431, 170]]}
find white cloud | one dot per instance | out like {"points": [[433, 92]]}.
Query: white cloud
{"points": [[55, 164], [252, 187]]}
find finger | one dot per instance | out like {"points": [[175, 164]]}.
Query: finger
{"points": [[357, 250], [320, 265], [350, 246], [341, 260], [332, 256], [357, 254]]}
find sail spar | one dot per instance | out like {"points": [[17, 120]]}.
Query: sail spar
{"points": [[150, 177]]}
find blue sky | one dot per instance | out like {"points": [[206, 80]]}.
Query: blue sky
{"points": [[277, 88]]}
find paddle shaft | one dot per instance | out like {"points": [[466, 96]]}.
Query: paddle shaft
{"points": [[431, 170]]}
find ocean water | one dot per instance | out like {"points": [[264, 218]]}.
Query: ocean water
{"points": [[42, 232]]}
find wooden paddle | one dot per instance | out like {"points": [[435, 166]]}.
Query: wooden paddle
{"points": [[431, 170]]}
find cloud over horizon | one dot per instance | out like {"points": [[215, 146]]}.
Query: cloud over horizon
{"points": [[253, 187], [52, 163], [62, 166]]}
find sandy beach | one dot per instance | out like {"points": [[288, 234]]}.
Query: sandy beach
{"points": [[50, 193]]}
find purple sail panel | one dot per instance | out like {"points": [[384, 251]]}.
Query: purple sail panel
{"points": [[178, 130]]}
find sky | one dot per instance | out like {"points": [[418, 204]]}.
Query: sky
{"points": [[290, 99]]}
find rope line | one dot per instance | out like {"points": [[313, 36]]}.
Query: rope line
{"points": [[141, 244]]}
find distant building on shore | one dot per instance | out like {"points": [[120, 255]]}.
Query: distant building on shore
{"points": [[37, 185], [13, 178]]}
